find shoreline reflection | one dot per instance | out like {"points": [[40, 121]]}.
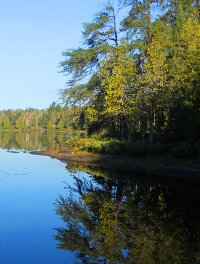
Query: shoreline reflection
{"points": [[125, 220], [40, 140]]}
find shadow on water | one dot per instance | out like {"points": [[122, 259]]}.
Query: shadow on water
{"points": [[113, 218]]}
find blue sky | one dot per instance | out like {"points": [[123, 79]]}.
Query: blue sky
{"points": [[33, 35]]}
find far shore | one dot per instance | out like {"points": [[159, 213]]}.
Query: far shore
{"points": [[147, 165]]}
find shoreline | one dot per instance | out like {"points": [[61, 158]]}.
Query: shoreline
{"points": [[146, 165]]}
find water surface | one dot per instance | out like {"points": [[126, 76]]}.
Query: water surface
{"points": [[29, 186], [53, 213]]}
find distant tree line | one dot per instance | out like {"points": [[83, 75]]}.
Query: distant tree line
{"points": [[55, 117], [137, 74]]}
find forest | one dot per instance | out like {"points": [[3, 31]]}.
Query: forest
{"points": [[54, 118], [136, 74], [135, 78]]}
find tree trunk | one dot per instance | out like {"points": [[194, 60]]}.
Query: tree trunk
{"points": [[142, 128], [115, 27], [149, 22], [153, 123], [121, 127]]}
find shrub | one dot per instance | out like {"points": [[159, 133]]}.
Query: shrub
{"points": [[115, 146]]}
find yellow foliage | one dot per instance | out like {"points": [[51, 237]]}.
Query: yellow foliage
{"points": [[118, 75]]}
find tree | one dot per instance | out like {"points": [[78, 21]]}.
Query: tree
{"points": [[20, 123], [118, 73], [155, 89], [83, 64], [51, 124], [60, 125], [6, 122], [140, 74]]}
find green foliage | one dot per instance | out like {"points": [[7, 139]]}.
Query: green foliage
{"points": [[60, 125], [55, 117], [44, 120], [6, 122], [144, 82], [20, 123], [50, 124], [118, 74], [114, 146]]}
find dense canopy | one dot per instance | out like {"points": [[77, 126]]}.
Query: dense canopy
{"points": [[137, 72]]}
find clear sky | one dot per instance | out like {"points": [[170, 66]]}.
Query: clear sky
{"points": [[33, 35]]}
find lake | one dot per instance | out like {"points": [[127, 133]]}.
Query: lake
{"points": [[59, 213]]}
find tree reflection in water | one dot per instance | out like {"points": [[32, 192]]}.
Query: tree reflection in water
{"points": [[129, 220], [32, 140]]}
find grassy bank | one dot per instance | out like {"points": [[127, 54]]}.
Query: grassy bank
{"points": [[177, 160], [184, 151]]}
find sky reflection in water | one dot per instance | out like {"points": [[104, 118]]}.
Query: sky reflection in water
{"points": [[29, 186]]}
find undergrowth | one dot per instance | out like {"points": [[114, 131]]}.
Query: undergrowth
{"points": [[115, 146]]}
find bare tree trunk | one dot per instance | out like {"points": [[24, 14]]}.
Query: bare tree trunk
{"points": [[149, 21], [114, 24], [115, 28]]}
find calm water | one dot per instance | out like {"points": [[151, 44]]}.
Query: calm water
{"points": [[53, 213]]}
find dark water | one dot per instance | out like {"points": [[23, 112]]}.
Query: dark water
{"points": [[53, 213]]}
